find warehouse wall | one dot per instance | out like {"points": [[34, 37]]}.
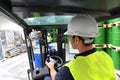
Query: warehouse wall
{"points": [[10, 32], [6, 24]]}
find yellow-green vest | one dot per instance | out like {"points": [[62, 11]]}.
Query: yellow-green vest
{"points": [[96, 66]]}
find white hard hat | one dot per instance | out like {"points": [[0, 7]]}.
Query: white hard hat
{"points": [[83, 25], [38, 31]]}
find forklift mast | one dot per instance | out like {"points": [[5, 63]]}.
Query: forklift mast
{"points": [[41, 71]]}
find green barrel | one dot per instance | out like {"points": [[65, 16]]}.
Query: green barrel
{"points": [[67, 40], [108, 51], [53, 35], [115, 32], [116, 36], [101, 38], [108, 34], [116, 59]]}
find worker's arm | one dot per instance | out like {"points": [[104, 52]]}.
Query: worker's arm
{"points": [[52, 69]]}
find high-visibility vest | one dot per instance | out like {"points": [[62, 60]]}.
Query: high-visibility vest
{"points": [[96, 66]]}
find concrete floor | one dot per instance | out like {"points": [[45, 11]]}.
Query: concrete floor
{"points": [[14, 68]]}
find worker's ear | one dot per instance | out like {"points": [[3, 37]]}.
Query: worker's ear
{"points": [[77, 39]]}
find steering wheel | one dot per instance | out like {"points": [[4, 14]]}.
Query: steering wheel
{"points": [[56, 59]]}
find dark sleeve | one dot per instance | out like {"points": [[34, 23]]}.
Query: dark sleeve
{"points": [[64, 74]]}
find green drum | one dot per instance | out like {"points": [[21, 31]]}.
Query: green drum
{"points": [[115, 30], [108, 51], [108, 34], [101, 38], [116, 36], [53, 35], [116, 59]]}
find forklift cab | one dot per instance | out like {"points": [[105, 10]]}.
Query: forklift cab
{"points": [[51, 17], [51, 45]]}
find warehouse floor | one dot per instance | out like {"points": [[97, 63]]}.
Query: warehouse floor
{"points": [[15, 68]]}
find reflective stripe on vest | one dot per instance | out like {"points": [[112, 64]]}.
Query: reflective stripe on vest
{"points": [[96, 66]]}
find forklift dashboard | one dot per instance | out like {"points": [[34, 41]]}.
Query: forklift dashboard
{"points": [[51, 17]]}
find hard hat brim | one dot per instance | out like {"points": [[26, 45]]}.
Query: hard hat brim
{"points": [[82, 35]]}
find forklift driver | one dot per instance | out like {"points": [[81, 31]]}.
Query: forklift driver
{"points": [[89, 64]]}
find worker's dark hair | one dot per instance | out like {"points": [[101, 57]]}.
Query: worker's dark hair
{"points": [[83, 40]]}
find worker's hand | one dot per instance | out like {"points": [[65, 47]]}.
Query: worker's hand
{"points": [[50, 65], [52, 69]]}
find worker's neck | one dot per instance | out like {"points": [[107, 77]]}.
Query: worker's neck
{"points": [[85, 48]]}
